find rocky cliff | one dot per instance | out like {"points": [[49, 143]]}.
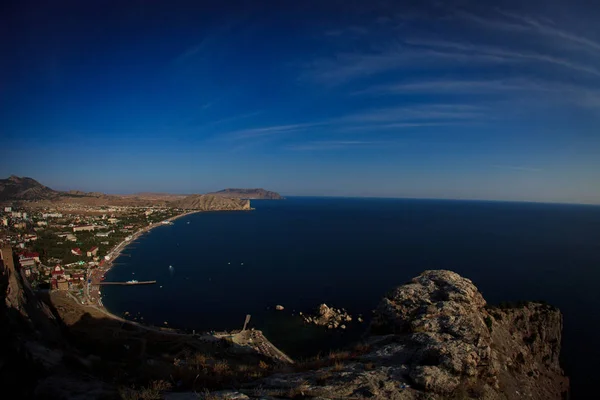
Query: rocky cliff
{"points": [[208, 202], [436, 338], [247, 194]]}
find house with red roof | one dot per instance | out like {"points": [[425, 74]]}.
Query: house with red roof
{"points": [[76, 251], [29, 254], [92, 252]]}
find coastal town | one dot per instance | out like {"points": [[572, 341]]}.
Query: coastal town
{"points": [[69, 247]]}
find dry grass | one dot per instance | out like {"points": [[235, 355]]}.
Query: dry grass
{"points": [[221, 368], [152, 392], [263, 365], [339, 355], [338, 367]]}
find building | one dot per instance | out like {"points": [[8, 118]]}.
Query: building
{"points": [[26, 262], [83, 228], [76, 251], [52, 215], [29, 238], [103, 234], [7, 209], [58, 272], [71, 238], [62, 285], [77, 277], [113, 220], [93, 251], [20, 225], [16, 214], [5, 221], [30, 254]]}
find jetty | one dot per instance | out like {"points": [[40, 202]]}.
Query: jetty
{"points": [[127, 283]]}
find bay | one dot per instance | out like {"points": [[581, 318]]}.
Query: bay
{"points": [[347, 252]]}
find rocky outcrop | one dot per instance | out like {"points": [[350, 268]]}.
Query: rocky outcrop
{"points": [[247, 194], [436, 337], [327, 316], [210, 203]]}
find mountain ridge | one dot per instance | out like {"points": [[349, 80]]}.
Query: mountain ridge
{"points": [[18, 189]]}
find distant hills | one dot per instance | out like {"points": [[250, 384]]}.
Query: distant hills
{"points": [[17, 188], [247, 194]]}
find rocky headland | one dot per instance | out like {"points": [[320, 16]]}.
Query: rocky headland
{"points": [[251, 194], [436, 338]]}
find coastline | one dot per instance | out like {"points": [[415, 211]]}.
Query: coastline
{"points": [[95, 298]]}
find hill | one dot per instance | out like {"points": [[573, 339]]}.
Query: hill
{"points": [[209, 202], [16, 188], [251, 194]]}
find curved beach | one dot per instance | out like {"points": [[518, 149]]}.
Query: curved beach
{"points": [[93, 292]]}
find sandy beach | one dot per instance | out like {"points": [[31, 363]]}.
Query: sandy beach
{"points": [[94, 294]]}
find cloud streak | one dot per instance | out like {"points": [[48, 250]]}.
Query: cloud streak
{"points": [[518, 168], [507, 55], [337, 145]]}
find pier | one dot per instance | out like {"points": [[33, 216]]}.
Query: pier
{"points": [[127, 283]]}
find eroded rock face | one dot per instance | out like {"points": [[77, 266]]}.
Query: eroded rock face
{"points": [[436, 336]]}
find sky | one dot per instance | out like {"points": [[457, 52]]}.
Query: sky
{"points": [[445, 99]]}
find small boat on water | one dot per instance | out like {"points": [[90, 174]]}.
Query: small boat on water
{"points": [[170, 267], [132, 281]]}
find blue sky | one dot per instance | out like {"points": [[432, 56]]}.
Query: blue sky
{"points": [[465, 99]]}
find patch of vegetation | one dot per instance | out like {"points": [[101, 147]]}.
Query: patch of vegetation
{"points": [[489, 323]]}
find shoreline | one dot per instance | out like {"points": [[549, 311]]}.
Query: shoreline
{"points": [[115, 253]]}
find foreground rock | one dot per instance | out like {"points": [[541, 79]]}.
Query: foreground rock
{"points": [[328, 316], [436, 337]]}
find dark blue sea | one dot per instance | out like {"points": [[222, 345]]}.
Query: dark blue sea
{"points": [[348, 252]]}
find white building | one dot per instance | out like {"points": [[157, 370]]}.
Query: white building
{"points": [[7, 209], [52, 215]]}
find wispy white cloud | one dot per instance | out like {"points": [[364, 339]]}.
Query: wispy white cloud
{"points": [[400, 125], [425, 112], [544, 28], [402, 54], [583, 95], [337, 144], [454, 86], [518, 168], [404, 117], [349, 66], [508, 55], [269, 130]]}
